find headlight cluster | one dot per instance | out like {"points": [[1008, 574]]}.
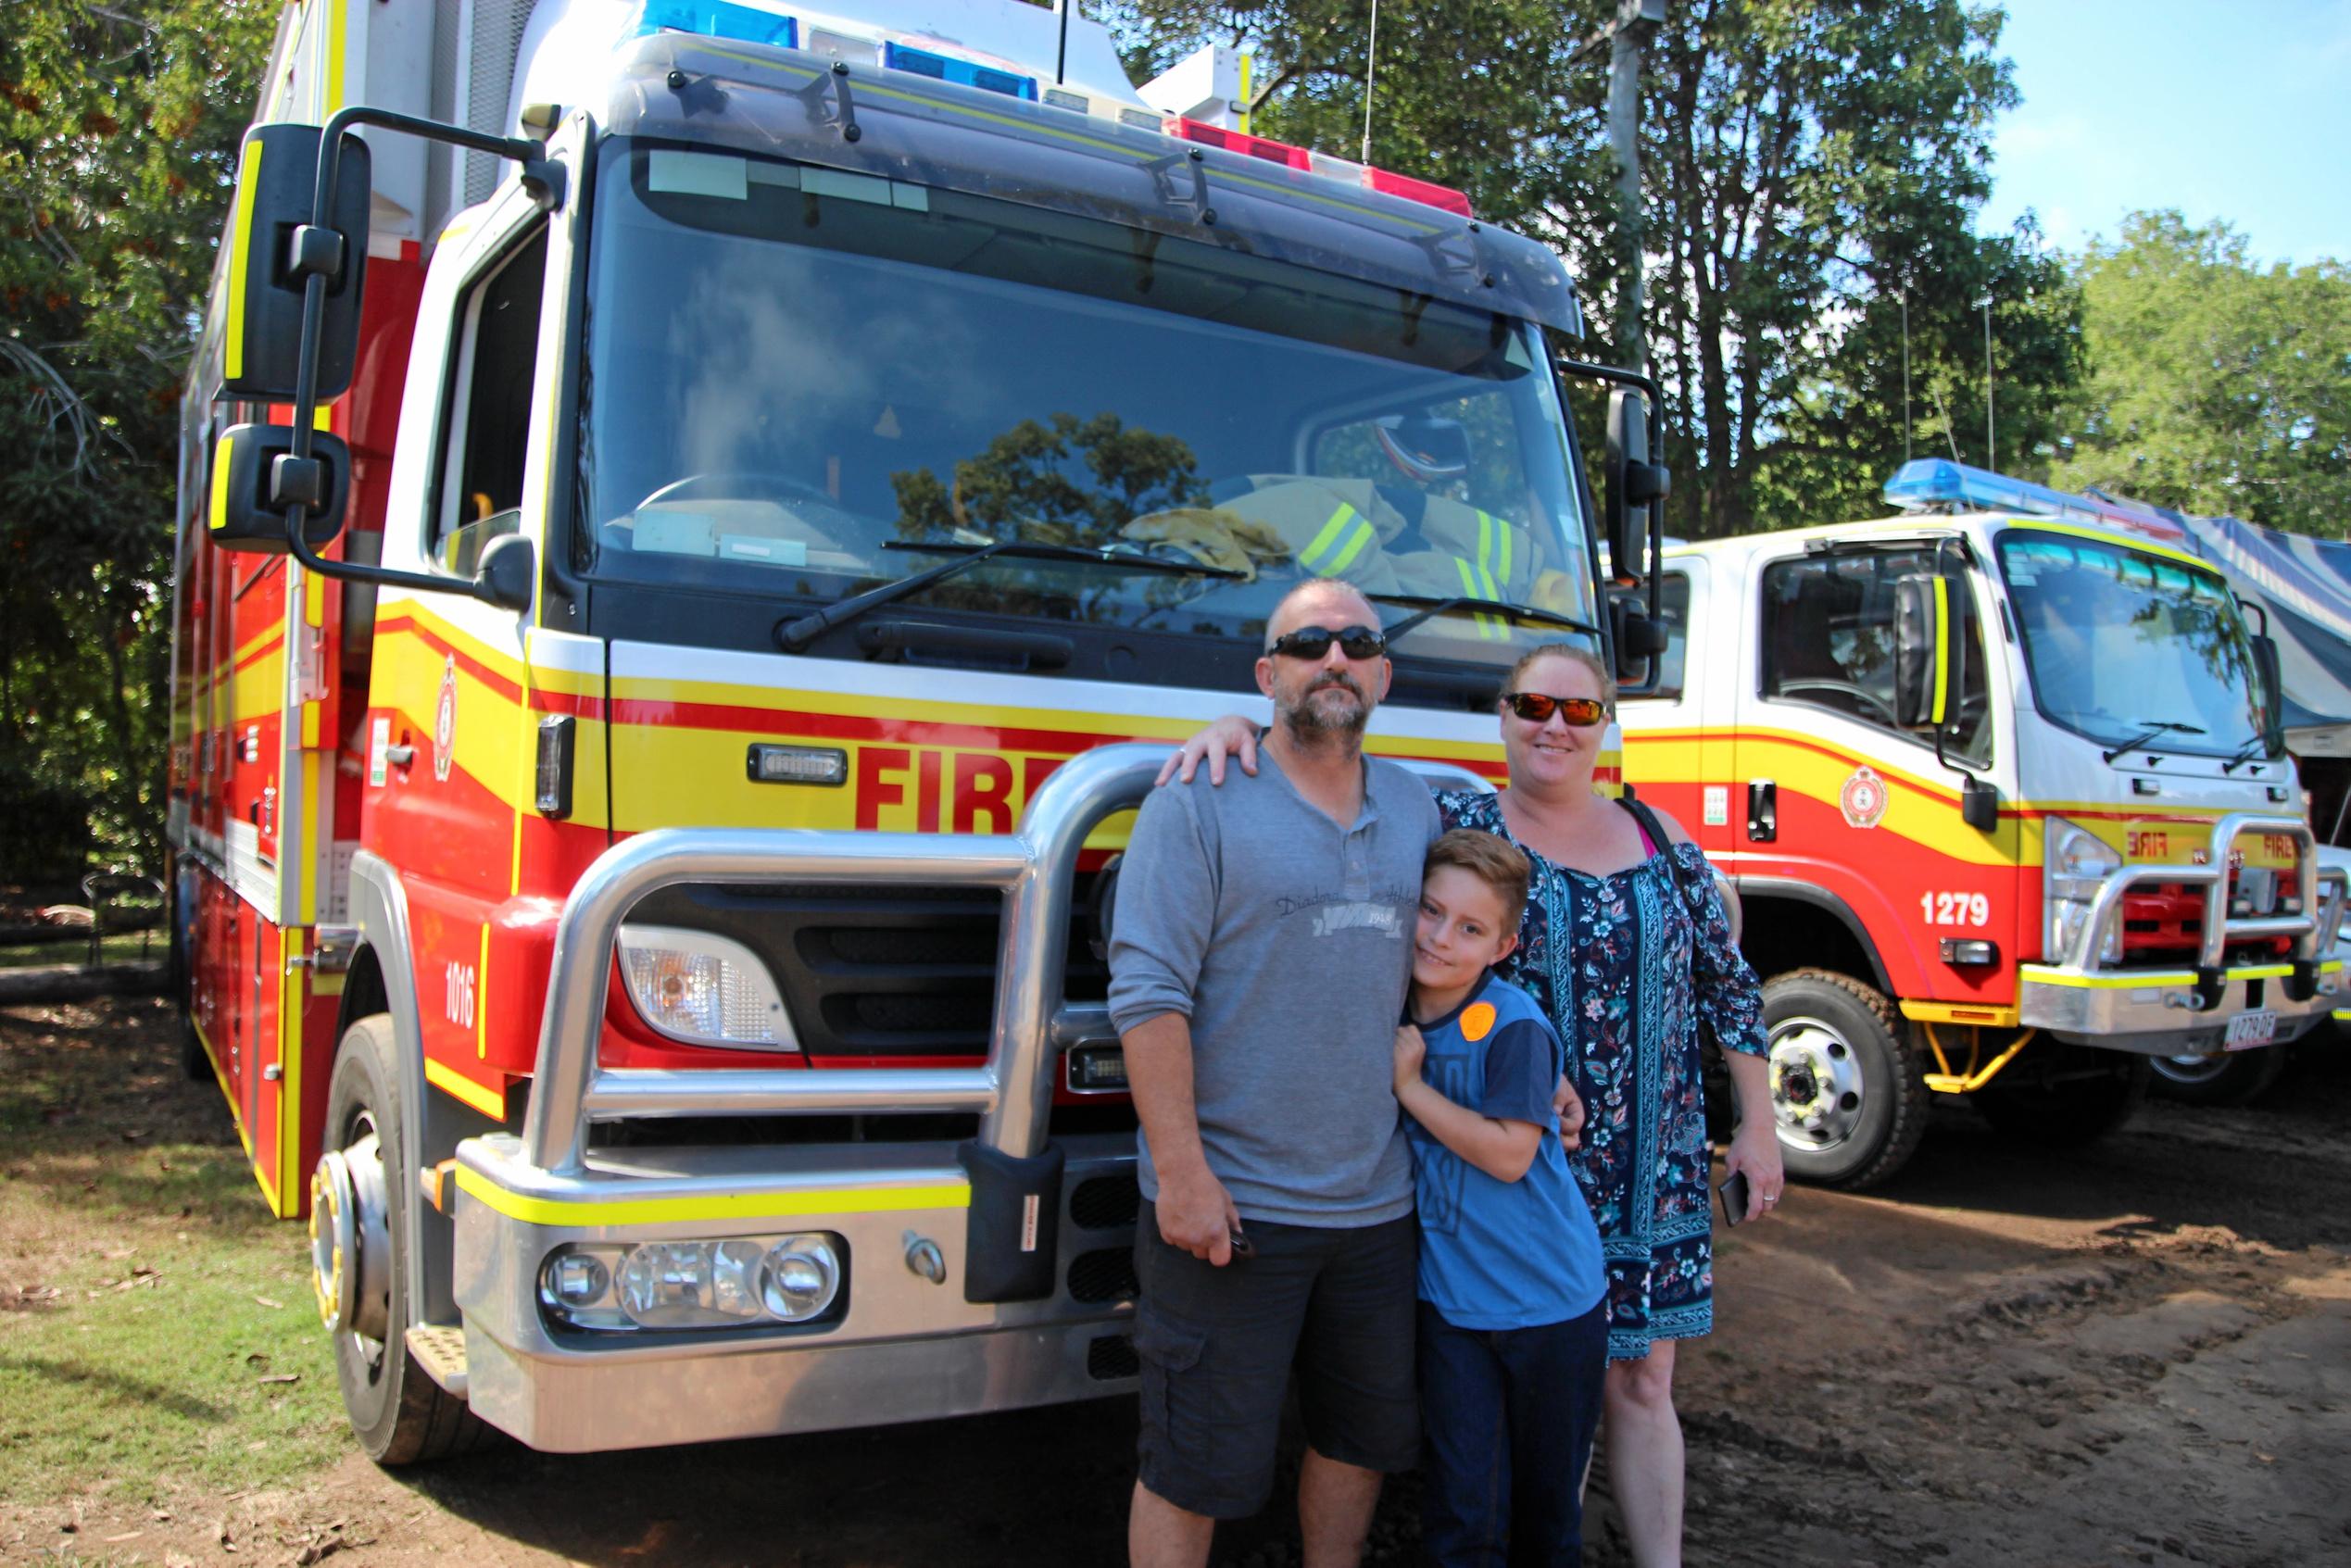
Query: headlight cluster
{"points": [[739, 1282], [2075, 864], [704, 989]]}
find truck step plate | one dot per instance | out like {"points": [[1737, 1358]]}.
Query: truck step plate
{"points": [[440, 1350]]}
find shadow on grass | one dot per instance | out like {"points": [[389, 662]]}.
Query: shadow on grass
{"points": [[73, 1378]]}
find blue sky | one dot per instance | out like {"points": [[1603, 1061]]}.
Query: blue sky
{"points": [[2236, 109]]}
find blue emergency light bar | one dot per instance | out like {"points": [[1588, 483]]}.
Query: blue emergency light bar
{"points": [[1937, 484], [719, 19], [941, 67]]}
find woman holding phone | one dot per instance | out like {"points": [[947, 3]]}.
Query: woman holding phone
{"points": [[1626, 945]]}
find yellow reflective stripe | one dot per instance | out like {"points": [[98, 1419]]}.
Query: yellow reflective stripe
{"points": [[490, 1102], [219, 516], [729, 1206], [1479, 584], [1332, 532], [1493, 546], [240, 237], [1942, 646], [2119, 542]]}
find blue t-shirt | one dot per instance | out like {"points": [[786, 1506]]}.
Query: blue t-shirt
{"points": [[1499, 1255]]}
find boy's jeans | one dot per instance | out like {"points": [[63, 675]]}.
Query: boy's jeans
{"points": [[1507, 1418]]}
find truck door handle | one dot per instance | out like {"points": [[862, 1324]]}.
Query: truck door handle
{"points": [[399, 756], [1763, 810]]}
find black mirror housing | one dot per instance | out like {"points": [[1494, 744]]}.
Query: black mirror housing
{"points": [[2267, 664], [1921, 665], [274, 248], [255, 482], [509, 574], [1624, 515]]}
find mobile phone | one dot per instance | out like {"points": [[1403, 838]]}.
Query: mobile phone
{"points": [[1734, 1197], [1242, 1246]]}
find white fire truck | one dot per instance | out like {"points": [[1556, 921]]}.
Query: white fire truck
{"points": [[679, 498], [2000, 783]]}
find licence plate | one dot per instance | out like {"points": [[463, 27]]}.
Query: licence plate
{"points": [[2247, 1030]]}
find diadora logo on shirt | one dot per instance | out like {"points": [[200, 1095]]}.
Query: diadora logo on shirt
{"points": [[1335, 912]]}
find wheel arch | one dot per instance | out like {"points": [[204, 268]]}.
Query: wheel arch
{"points": [[1792, 924]]}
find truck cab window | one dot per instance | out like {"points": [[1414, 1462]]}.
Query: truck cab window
{"points": [[488, 429], [1828, 642]]}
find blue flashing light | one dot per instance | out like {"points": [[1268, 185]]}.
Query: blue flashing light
{"points": [[1926, 484], [719, 19], [967, 73]]}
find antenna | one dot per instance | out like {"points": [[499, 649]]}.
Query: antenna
{"points": [[1371, 63], [1061, 61]]}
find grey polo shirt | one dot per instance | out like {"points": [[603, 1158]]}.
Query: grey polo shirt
{"points": [[1288, 941]]}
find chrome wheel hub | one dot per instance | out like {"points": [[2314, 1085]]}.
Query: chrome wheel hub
{"points": [[351, 1240], [1815, 1085]]}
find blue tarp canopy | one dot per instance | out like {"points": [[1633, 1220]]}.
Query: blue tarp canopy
{"points": [[2305, 584]]}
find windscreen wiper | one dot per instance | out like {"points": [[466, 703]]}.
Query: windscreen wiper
{"points": [[2154, 727], [2259, 744], [1431, 608], [795, 635]]}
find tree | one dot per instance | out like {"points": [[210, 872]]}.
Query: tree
{"points": [[118, 126], [1811, 167], [2216, 385]]}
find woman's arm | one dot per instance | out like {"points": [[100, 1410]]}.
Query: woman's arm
{"points": [[1229, 736], [1502, 1149]]}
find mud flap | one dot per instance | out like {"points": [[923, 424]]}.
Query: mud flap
{"points": [[1014, 1224]]}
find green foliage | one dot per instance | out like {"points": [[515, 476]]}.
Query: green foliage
{"points": [[118, 131], [2216, 385], [1809, 168], [1024, 485]]}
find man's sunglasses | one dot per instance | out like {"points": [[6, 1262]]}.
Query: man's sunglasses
{"points": [[1313, 642], [1582, 713]]}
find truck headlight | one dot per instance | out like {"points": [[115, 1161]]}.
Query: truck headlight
{"points": [[2075, 865], [704, 989], [738, 1282]]}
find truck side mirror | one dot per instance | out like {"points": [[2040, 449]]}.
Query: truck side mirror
{"points": [[257, 480], [1633, 484], [1923, 651], [273, 250], [509, 574], [2266, 664]]}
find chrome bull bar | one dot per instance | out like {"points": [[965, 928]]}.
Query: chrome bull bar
{"points": [[1035, 868], [2313, 929]]}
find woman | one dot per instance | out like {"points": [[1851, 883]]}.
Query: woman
{"points": [[1626, 945]]}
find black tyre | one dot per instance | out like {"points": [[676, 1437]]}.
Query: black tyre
{"points": [[2230, 1078], [360, 1258], [2063, 1097], [1847, 1088]]}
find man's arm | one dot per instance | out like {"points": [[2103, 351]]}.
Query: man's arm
{"points": [[1195, 1212], [1160, 938]]}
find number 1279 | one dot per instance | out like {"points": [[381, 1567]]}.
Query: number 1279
{"points": [[1954, 909]]}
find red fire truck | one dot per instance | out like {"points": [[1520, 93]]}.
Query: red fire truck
{"points": [[2001, 783], [677, 496]]}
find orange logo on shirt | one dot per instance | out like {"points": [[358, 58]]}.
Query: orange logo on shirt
{"points": [[1476, 1021]]}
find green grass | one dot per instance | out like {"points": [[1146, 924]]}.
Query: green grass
{"points": [[112, 1164], [122, 948]]}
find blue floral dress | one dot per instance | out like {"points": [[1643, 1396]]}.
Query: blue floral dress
{"points": [[1627, 966]]}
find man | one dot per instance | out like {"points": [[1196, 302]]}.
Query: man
{"points": [[1258, 966]]}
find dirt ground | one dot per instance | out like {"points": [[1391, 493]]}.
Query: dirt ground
{"points": [[2140, 1352]]}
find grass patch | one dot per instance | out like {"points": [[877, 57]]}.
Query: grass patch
{"points": [[147, 1298], [125, 947]]}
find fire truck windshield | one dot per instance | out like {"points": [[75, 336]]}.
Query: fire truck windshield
{"points": [[793, 373], [2119, 640]]}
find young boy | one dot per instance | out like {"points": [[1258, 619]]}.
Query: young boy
{"points": [[1513, 1333]]}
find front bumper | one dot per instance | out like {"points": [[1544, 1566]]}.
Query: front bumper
{"points": [[2161, 1012], [902, 1349]]}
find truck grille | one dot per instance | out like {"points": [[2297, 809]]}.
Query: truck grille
{"points": [[2163, 925], [886, 971]]}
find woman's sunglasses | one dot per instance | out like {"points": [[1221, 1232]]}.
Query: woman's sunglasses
{"points": [[1313, 642], [1582, 713]]}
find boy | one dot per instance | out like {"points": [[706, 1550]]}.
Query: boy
{"points": [[1513, 1333]]}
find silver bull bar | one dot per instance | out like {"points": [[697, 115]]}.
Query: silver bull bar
{"points": [[1034, 868], [2140, 1010]]}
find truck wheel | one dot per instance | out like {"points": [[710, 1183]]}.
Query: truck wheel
{"points": [[2228, 1079], [2078, 1095], [1847, 1088], [360, 1260]]}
